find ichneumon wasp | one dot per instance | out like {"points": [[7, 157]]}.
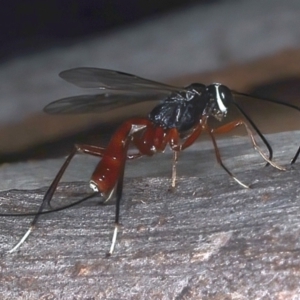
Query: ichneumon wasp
{"points": [[183, 113]]}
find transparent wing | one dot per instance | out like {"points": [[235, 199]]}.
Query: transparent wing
{"points": [[100, 103], [111, 80], [120, 89]]}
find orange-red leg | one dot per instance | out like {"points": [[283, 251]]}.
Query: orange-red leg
{"points": [[173, 139], [47, 198], [230, 126], [148, 138], [108, 175], [155, 139], [219, 160], [93, 150], [99, 151], [107, 172]]}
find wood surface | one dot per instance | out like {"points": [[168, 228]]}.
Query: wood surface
{"points": [[208, 239]]}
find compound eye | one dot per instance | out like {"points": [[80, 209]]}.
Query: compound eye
{"points": [[221, 94], [225, 95]]}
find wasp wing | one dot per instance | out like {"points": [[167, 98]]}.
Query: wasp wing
{"points": [[111, 80], [120, 89], [100, 103]]}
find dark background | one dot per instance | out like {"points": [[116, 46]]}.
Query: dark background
{"points": [[33, 25], [237, 43], [210, 238]]}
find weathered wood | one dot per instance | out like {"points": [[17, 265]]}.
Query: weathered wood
{"points": [[208, 239]]}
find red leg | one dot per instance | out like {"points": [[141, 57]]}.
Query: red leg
{"points": [[88, 149], [47, 198], [99, 151], [230, 126], [173, 139], [156, 138], [145, 142], [219, 160], [107, 172], [108, 175]]}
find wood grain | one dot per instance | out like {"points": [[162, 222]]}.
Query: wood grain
{"points": [[208, 239]]}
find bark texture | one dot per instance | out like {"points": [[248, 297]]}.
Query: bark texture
{"points": [[208, 239]]}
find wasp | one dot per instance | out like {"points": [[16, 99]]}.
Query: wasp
{"points": [[180, 117]]}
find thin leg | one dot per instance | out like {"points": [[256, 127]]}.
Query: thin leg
{"points": [[49, 194], [192, 138], [46, 200], [22, 240], [99, 151], [90, 149], [230, 126], [119, 191], [174, 172], [265, 141], [158, 138], [219, 160], [296, 156], [173, 138], [117, 216]]}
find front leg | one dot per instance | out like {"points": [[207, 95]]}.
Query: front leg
{"points": [[227, 128], [230, 126]]}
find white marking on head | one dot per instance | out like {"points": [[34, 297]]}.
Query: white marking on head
{"points": [[221, 105]]}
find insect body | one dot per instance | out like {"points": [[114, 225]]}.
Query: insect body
{"points": [[177, 121], [179, 113]]}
